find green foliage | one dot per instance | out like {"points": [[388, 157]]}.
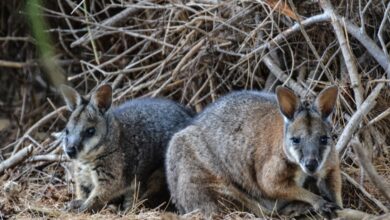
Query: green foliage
{"points": [[44, 43]]}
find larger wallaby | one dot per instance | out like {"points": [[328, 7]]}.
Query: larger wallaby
{"points": [[114, 148], [253, 150]]}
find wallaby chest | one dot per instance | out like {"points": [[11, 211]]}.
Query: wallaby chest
{"points": [[300, 177]]}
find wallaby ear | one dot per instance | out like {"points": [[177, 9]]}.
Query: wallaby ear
{"points": [[102, 98], [71, 96], [326, 101], [288, 102]]}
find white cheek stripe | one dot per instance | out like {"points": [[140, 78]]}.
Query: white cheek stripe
{"points": [[91, 143], [294, 155]]}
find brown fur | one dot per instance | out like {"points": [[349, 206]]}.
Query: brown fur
{"points": [[237, 154]]}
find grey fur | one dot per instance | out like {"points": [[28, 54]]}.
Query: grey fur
{"points": [[128, 147]]}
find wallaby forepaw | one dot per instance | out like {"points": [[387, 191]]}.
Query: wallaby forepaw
{"points": [[75, 206], [328, 209]]}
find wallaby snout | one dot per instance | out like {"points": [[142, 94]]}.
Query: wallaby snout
{"points": [[71, 151], [313, 154], [72, 146], [311, 164]]}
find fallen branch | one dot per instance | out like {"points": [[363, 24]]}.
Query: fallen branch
{"points": [[48, 158], [16, 159]]}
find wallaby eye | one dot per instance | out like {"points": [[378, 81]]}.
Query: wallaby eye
{"points": [[324, 140], [296, 140], [89, 132], [66, 131]]}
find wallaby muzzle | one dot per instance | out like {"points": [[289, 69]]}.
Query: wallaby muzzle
{"points": [[72, 146], [311, 159], [311, 165]]}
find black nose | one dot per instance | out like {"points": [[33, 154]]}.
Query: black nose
{"points": [[311, 165], [71, 151]]}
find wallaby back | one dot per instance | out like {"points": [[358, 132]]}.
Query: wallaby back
{"points": [[241, 152], [118, 149]]}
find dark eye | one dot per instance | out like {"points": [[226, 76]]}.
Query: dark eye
{"points": [[66, 131], [324, 140], [296, 140], [89, 132]]}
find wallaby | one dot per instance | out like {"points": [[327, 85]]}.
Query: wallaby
{"points": [[115, 148], [256, 150]]}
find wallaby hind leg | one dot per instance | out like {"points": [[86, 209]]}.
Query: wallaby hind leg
{"points": [[190, 183], [156, 193], [199, 194], [296, 208]]}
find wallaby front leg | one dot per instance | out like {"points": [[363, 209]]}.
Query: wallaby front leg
{"points": [[292, 192], [106, 187], [98, 198], [83, 185], [330, 187], [229, 191]]}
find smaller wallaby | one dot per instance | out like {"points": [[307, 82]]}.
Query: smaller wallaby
{"points": [[115, 150], [254, 150]]}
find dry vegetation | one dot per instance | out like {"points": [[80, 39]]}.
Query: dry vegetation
{"points": [[192, 52]]}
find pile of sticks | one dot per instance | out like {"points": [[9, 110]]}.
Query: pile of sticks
{"points": [[194, 52]]}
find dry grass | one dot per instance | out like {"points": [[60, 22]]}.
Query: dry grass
{"points": [[192, 52]]}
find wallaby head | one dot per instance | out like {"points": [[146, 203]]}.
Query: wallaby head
{"points": [[88, 124], [307, 129]]}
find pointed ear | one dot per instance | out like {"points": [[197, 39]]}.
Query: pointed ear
{"points": [[288, 102], [102, 98], [71, 96], [326, 101]]}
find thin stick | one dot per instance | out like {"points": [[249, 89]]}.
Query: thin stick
{"points": [[275, 69], [368, 43], [12, 64], [37, 125], [182, 62], [287, 33], [381, 28], [365, 193], [120, 17]]}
